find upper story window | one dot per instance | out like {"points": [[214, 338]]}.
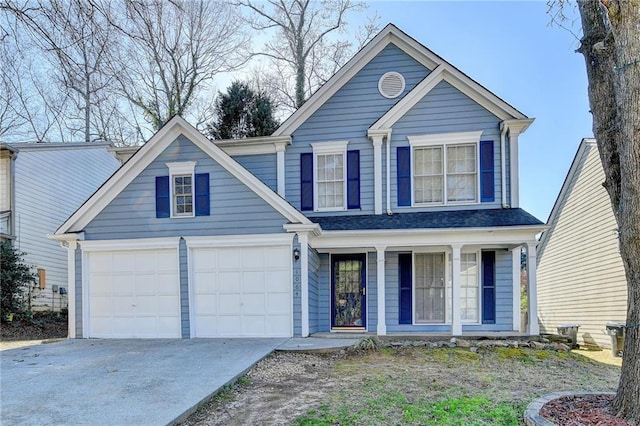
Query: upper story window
{"points": [[330, 176], [182, 188], [444, 169]]}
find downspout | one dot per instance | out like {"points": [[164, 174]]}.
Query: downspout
{"points": [[388, 142], [503, 163]]}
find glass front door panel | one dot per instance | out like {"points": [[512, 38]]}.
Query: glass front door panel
{"points": [[348, 291]]}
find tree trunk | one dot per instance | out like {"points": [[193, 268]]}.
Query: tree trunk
{"points": [[611, 47]]}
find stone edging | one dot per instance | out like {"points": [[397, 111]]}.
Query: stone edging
{"points": [[532, 415]]}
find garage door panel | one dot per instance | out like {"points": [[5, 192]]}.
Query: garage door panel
{"points": [[242, 292], [137, 295]]}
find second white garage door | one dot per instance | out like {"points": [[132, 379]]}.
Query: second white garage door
{"points": [[241, 292]]}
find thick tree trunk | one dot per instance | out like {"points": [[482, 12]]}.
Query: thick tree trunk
{"points": [[611, 47]]}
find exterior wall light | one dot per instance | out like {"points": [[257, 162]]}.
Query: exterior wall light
{"points": [[296, 254]]}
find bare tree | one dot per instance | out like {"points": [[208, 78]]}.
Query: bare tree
{"points": [[610, 45], [306, 48], [171, 51]]}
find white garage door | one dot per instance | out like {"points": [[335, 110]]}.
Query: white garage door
{"points": [[241, 292], [134, 293]]}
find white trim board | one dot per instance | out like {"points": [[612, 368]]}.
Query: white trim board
{"points": [[149, 152]]}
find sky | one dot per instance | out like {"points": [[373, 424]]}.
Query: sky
{"points": [[511, 48]]}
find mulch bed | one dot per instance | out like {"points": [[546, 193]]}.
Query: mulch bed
{"points": [[585, 410], [40, 327]]}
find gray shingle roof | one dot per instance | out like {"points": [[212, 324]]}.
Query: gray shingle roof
{"points": [[440, 219]]}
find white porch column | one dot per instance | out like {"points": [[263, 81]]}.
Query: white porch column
{"points": [[303, 239], [515, 276], [532, 288], [516, 128], [280, 169], [456, 325], [382, 312], [71, 287], [377, 174]]}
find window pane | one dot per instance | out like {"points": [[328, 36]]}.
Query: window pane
{"points": [[430, 287], [469, 286], [428, 179], [330, 185], [461, 187]]}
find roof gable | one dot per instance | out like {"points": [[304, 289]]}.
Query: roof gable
{"points": [[148, 153], [391, 34]]}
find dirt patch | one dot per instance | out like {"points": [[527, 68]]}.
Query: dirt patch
{"points": [[378, 387], [41, 327]]}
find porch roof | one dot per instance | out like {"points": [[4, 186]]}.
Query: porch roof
{"points": [[483, 218]]}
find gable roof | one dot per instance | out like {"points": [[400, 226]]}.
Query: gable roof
{"points": [[576, 165], [153, 148], [393, 35]]}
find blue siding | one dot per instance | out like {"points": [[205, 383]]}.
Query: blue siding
{"points": [[297, 292], [314, 269], [263, 166], [324, 294], [445, 110], [235, 209], [372, 291], [184, 290], [347, 116]]}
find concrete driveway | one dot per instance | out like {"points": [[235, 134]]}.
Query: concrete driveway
{"points": [[118, 382]]}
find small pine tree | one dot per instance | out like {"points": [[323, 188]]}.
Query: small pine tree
{"points": [[242, 113], [15, 276]]}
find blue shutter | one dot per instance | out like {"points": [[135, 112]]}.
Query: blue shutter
{"points": [[404, 175], [163, 206], [488, 287], [202, 194], [306, 181], [486, 172], [353, 179], [404, 262]]}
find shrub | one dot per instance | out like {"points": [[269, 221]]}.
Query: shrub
{"points": [[15, 276]]}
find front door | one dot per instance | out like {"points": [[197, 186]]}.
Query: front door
{"points": [[349, 291]]}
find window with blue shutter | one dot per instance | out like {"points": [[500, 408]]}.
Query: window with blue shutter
{"points": [[488, 287], [306, 181], [405, 270], [486, 172], [404, 175], [202, 194], [163, 200], [353, 179]]}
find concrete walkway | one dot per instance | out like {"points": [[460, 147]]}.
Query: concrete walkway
{"points": [[118, 382]]}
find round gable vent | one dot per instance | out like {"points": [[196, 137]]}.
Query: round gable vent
{"points": [[391, 85]]}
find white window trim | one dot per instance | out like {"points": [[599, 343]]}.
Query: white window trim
{"points": [[445, 140], [183, 168], [329, 148], [478, 253]]}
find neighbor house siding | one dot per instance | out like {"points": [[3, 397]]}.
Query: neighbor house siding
{"points": [[235, 209], [5, 181], [445, 110], [347, 116], [581, 277], [51, 182], [314, 269], [263, 166]]}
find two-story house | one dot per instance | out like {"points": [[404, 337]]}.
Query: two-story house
{"points": [[388, 203], [41, 184]]}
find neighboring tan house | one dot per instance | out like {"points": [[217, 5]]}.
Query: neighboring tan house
{"points": [[41, 184], [388, 203], [581, 277]]}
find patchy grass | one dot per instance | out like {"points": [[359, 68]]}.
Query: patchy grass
{"points": [[406, 385]]}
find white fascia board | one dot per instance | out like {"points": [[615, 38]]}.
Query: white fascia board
{"points": [[481, 95], [130, 244], [66, 237], [254, 146], [409, 100], [252, 240], [312, 228], [448, 138], [390, 34], [150, 151], [427, 237]]}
